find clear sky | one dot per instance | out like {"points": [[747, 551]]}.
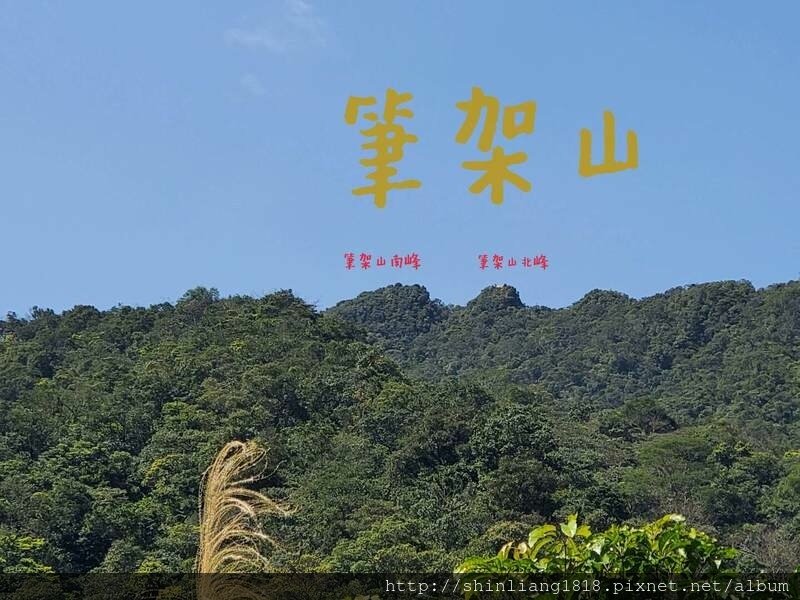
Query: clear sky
{"points": [[150, 147]]}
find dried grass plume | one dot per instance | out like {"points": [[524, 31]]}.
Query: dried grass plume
{"points": [[231, 537]]}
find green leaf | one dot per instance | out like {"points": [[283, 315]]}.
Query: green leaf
{"points": [[540, 532], [570, 527]]}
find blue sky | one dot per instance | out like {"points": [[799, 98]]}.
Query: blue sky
{"points": [[151, 147]]}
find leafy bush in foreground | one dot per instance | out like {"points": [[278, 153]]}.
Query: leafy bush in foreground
{"points": [[666, 546]]}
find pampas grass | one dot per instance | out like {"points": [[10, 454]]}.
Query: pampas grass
{"points": [[231, 538]]}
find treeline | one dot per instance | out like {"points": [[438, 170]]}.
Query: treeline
{"points": [[407, 434]]}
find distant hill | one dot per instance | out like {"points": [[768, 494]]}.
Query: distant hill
{"points": [[703, 349], [395, 316]]}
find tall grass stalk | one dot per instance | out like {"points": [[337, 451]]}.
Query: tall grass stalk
{"points": [[231, 537]]}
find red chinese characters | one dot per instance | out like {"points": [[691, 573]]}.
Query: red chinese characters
{"points": [[500, 262], [396, 261]]}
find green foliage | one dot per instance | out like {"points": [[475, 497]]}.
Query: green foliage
{"points": [[405, 432], [666, 546], [18, 554], [394, 315]]}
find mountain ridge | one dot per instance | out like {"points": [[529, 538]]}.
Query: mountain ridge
{"points": [[407, 433]]}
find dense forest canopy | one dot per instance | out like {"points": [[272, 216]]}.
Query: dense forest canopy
{"points": [[407, 434]]}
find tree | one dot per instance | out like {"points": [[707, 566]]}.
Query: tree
{"points": [[19, 554]]}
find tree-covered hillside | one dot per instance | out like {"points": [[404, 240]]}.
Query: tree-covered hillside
{"points": [[704, 350], [407, 435]]}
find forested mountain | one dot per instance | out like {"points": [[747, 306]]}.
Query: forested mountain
{"points": [[701, 351], [406, 434]]}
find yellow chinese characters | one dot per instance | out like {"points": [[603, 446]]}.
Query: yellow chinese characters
{"points": [[517, 119], [609, 164], [388, 141]]}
